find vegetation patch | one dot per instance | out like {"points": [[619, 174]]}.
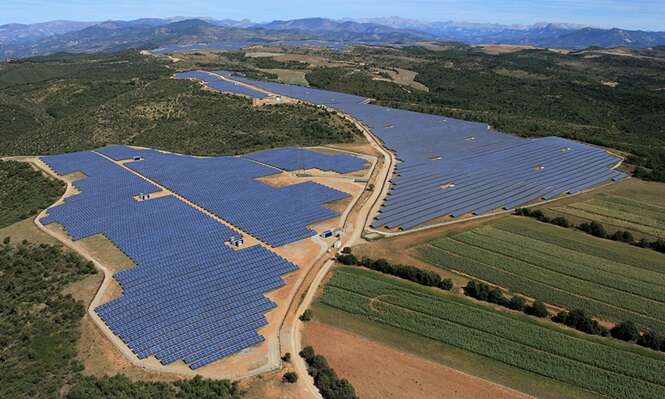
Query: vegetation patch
{"points": [[69, 103], [25, 192]]}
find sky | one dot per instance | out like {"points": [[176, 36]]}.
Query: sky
{"points": [[628, 14]]}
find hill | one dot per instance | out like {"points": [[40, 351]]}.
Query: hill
{"points": [[69, 103]]}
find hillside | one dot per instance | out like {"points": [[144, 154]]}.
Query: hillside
{"points": [[69, 103]]}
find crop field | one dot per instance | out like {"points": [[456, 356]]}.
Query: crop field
{"points": [[598, 365], [559, 266], [620, 212]]}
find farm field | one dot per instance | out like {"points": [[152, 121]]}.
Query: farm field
{"points": [[563, 267], [636, 206], [593, 364]]}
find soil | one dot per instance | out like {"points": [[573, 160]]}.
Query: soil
{"points": [[380, 372]]}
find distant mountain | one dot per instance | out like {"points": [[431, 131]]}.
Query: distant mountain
{"points": [[151, 33], [21, 33], [590, 37], [18, 40], [543, 34]]}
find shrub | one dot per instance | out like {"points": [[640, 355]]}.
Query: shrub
{"points": [[538, 309], [561, 221], [446, 284], [623, 235], [594, 228], [346, 250], [306, 315], [330, 386], [290, 377], [286, 357], [578, 320], [517, 303], [651, 340], [626, 331], [347, 259]]}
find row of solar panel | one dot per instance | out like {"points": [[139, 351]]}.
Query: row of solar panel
{"points": [[299, 158]]}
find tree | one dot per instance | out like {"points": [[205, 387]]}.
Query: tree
{"points": [[625, 331], [290, 377], [538, 309], [347, 259], [496, 296], [561, 221], [286, 357]]}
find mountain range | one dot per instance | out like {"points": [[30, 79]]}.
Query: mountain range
{"points": [[24, 40]]}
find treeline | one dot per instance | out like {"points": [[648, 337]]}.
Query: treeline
{"points": [[407, 272], [483, 292], [576, 318], [24, 192], [325, 379], [119, 386], [40, 329], [594, 228]]}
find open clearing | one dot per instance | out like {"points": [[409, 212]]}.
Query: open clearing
{"points": [[594, 364], [563, 267], [379, 371]]}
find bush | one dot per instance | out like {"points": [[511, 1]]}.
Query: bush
{"points": [[286, 357], [538, 309], [346, 250], [290, 377], [517, 303], [330, 386], [626, 331], [306, 315], [623, 235], [347, 259], [594, 228], [651, 340], [578, 320], [561, 221], [446, 284]]}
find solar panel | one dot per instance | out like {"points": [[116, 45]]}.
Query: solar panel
{"points": [[453, 167], [189, 296]]}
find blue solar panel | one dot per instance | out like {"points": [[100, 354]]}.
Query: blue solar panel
{"points": [[190, 296], [452, 167], [220, 84], [298, 158]]}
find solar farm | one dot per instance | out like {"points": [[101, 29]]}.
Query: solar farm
{"points": [[451, 168], [191, 296]]}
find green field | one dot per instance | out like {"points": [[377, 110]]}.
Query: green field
{"points": [[595, 364], [620, 212], [559, 266]]}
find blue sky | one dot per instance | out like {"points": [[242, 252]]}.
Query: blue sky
{"points": [[635, 14]]}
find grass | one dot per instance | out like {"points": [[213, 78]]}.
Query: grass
{"points": [[594, 364], [610, 280]]}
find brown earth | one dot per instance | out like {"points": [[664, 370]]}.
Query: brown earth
{"points": [[380, 372]]}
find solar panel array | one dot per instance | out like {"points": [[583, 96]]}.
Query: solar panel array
{"points": [[299, 158], [190, 296], [227, 187], [450, 167], [220, 84]]}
